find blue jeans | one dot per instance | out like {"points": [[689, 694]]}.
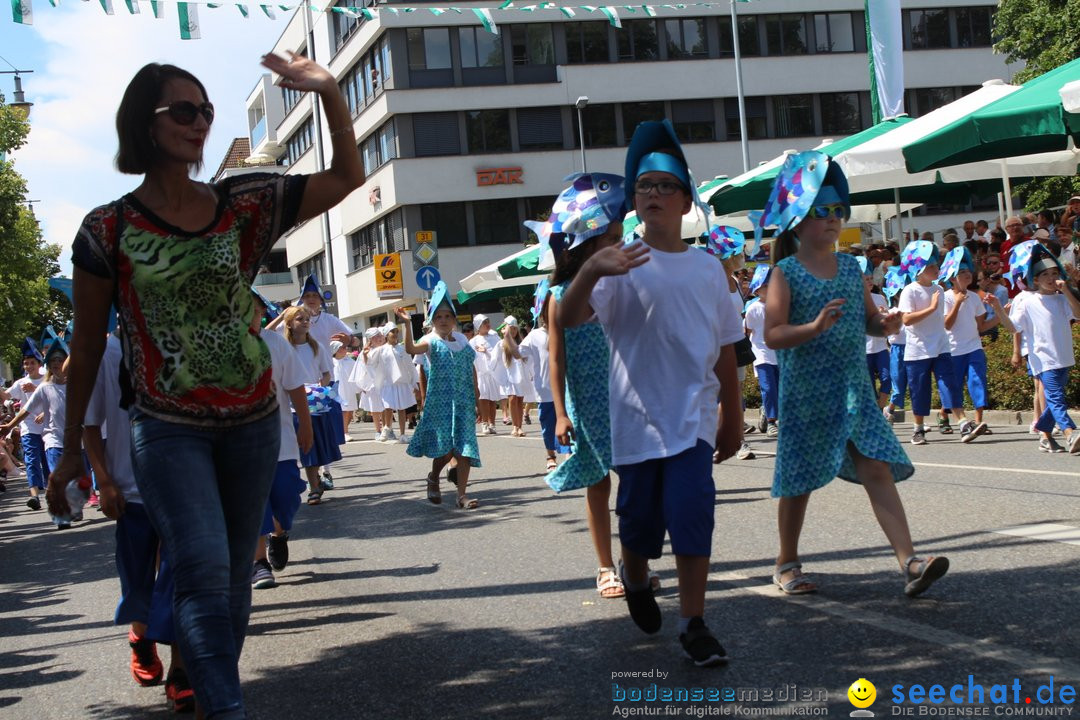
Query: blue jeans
{"points": [[898, 375], [1057, 410], [205, 491], [768, 377]]}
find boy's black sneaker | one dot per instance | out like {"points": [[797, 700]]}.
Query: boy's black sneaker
{"points": [[33, 503], [643, 609], [277, 550], [700, 646]]}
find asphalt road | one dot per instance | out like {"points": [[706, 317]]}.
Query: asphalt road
{"points": [[396, 608]]}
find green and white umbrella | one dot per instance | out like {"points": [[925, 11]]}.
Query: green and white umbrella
{"points": [[1031, 120]]}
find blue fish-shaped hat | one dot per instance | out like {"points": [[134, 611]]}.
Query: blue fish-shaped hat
{"points": [[916, 255], [582, 211], [957, 259], [1027, 260], [725, 242], [806, 179], [760, 278], [896, 280], [542, 290]]}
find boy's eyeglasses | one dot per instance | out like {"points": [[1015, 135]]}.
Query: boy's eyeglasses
{"points": [[644, 187], [822, 212], [184, 112]]}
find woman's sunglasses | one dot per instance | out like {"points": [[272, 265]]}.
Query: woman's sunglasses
{"points": [[184, 112], [821, 212]]}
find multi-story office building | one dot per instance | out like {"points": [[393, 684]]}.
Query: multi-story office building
{"points": [[468, 133]]}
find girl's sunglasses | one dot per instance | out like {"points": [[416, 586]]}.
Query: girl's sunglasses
{"points": [[822, 212], [184, 112]]}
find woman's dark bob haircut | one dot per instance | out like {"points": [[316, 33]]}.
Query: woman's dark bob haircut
{"points": [[137, 153]]}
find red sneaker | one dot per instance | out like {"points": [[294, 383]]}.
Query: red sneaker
{"points": [[179, 692], [145, 665], [94, 501]]}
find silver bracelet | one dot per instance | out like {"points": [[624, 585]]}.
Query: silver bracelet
{"points": [[341, 131]]}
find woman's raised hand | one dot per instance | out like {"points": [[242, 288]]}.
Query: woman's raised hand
{"points": [[299, 73]]}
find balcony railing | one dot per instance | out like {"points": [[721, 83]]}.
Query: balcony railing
{"points": [[258, 133], [278, 278]]}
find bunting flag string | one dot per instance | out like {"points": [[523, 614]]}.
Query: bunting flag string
{"points": [[22, 11]]}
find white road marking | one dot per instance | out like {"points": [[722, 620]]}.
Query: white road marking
{"points": [[1019, 471], [1044, 531]]}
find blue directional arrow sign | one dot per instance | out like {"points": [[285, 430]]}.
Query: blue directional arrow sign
{"points": [[427, 277]]}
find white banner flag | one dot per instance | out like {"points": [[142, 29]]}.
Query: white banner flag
{"points": [[885, 51]]}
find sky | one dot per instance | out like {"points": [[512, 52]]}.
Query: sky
{"points": [[82, 60]]}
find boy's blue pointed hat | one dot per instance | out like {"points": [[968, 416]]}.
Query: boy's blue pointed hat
{"points": [[30, 350], [311, 285], [53, 343], [656, 148]]}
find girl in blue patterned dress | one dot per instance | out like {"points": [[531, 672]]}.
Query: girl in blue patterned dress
{"points": [[447, 429], [586, 217], [817, 314]]}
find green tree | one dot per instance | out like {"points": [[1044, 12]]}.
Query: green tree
{"points": [[26, 261], [1041, 34]]}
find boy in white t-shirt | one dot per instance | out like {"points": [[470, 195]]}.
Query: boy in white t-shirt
{"points": [[927, 348], [965, 322], [30, 431], [664, 384], [765, 364], [1043, 318]]}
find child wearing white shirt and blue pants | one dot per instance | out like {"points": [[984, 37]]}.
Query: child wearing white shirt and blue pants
{"points": [[1044, 321], [766, 367], [664, 384], [927, 348]]}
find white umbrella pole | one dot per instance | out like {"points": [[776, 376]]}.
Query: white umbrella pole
{"points": [[1005, 186], [899, 217], [1001, 210]]}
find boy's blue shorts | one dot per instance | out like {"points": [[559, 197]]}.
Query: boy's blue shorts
{"points": [[675, 494], [284, 498]]}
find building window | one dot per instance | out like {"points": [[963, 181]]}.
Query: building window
{"points": [[533, 44], [599, 121], [694, 120], [634, 114], [299, 142], [686, 39], [785, 34], [540, 128], [385, 235], [928, 29], [429, 48], [794, 115], [379, 147], [312, 266], [840, 113], [488, 131], [834, 32], [436, 134], [749, 41], [447, 220], [479, 48], [973, 26], [496, 222], [343, 26], [757, 123], [353, 90], [290, 96], [384, 56], [637, 40], [586, 42], [361, 249]]}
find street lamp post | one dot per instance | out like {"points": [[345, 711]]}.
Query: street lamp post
{"points": [[739, 88], [20, 103], [580, 105]]}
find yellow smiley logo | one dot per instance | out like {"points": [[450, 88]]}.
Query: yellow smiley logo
{"points": [[862, 693]]}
